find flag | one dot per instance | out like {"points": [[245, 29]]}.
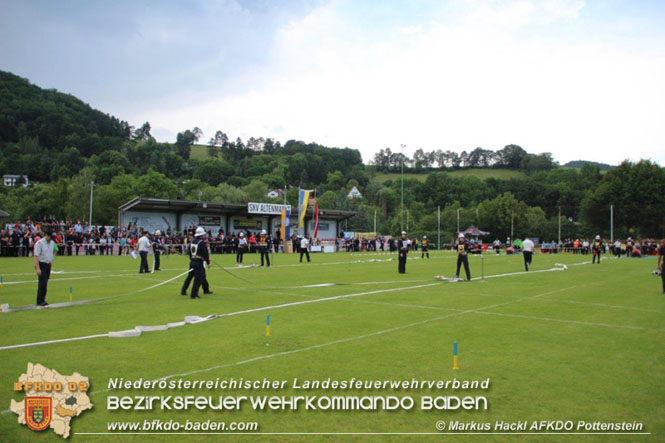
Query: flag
{"points": [[285, 229], [303, 199], [316, 219]]}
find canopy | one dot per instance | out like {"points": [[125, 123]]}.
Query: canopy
{"points": [[472, 230]]}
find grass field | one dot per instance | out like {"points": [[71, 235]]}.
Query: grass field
{"points": [[503, 174], [586, 343]]}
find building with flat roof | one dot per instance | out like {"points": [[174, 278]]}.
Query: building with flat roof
{"points": [[178, 215]]}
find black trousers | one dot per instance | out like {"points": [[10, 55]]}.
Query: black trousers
{"points": [[156, 258], [239, 254], [306, 252], [528, 255], [43, 282], [463, 258], [424, 251], [596, 254], [662, 276], [199, 277], [264, 253], [190, 277], [144, 262], [401, 262]]}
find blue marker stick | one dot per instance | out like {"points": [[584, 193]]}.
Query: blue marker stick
{"points": [[454, 348]]}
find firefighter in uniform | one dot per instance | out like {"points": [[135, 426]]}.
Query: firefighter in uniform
{"points": [[462, 256], [597, 249], [264, 247], [198, 257], [424, 247], [157, 249], [241, 247], [403, 245]]}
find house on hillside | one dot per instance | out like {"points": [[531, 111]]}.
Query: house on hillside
{"points": [[14, 180], [354, 193], [275, 193]]}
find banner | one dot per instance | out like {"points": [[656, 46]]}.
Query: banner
{"points": [[303, 199], [316, 219], [266, 208], [285, 228]]}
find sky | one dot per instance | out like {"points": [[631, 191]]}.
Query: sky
{"points": [[582, 79]]}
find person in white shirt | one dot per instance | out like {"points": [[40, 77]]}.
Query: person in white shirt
{"points": [[143, 246], [43, 262], [527, 251], [304, 245]]}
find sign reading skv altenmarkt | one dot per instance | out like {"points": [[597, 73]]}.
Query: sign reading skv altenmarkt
{"points": [[266, 208]]}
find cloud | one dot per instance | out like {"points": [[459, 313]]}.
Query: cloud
{"points": [[562, 76]]}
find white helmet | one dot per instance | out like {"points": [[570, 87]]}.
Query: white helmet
{"points": [[597, 237], [200, 232], [403, 232], [158, 232], [460, 235], [241, 234], [263, 232], [424, 236]]}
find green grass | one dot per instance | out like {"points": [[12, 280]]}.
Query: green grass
{"points": [[200, 152], [582, 344], [503, 174]]}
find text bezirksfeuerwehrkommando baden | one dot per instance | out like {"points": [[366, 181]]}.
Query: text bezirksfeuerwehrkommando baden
{"points": [[321, 401], [295, 383]]}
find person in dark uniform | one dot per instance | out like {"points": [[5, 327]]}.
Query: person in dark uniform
{"points": [[462, 256], [596, 249], [424, 247], [661, 262], [157, 249], [264, 248], [403, 245], [198, 258]]}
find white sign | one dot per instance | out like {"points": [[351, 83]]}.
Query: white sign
{"points": [[266, 208]]}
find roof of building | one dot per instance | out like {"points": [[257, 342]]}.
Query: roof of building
{"points": [[213, 208], [3, 214]]}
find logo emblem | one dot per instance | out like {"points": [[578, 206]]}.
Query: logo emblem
{"points": [[38, 412]]}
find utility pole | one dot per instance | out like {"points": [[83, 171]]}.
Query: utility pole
{"points": [[559, 225], [401, 211], [458, 220], [612, 223], [438, 237], [375, 221], [92, 187], [512, 225]]}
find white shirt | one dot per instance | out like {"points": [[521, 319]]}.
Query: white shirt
{"points": [[527, 245], [44, 251], [144, 244], [304, 243]]}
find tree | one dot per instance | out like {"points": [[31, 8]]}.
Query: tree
{"points": [[143, 133], [510, 157], [185, 140]]}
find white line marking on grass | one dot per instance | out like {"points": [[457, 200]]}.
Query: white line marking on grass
{"points": [[579, 322]]}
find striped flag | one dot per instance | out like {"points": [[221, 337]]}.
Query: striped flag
{"points": [[316, 219], [285, 229], [303, 200]]}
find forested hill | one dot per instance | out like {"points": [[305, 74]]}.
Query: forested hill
{"points": [[581, 163], [63, 146], [54, 119]]}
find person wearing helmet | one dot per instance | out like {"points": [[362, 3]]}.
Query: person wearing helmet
{"points": [[157, 248], [263, 248], [462, 247], [424, 247], [143, 246], [241, 247], [403, 245], [199, 256], [596, 249]]}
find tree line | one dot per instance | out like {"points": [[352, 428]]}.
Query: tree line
{"points": [[64, 145]]}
